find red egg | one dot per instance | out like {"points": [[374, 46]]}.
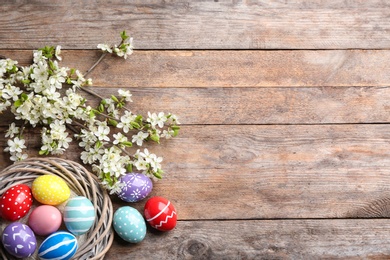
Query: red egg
{"points": [[160, 213], [16, 202]]}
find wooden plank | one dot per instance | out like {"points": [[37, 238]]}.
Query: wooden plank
{"points": [[268, 171], [317, 105], [197, 24], [259, 239], [231, 68]]}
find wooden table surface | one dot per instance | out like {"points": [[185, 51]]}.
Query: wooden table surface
{"points": [[285, 145]]}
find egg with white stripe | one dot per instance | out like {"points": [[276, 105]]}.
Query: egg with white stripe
{"points": [[79, 215], [59, 245], [160, 213]]}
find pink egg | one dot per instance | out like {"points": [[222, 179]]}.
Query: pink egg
{"points": [[45, 220]]}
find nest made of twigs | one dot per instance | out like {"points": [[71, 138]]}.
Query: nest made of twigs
{"points": [[97, 241]]}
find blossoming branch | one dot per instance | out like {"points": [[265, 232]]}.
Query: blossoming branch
{"points": [[47, 95]]}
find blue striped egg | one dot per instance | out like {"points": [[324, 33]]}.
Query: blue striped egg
{"points": [[59, 245], [129, 224], [79, 215]]}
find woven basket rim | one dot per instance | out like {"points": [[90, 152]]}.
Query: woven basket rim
{"points": [[98, 240]]}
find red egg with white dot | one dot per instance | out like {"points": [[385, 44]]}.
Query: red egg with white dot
{"points": [[160, 213], [16, 202]]}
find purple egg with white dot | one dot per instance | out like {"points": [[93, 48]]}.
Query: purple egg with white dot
{"points": [[136, 187], [19, 240]]}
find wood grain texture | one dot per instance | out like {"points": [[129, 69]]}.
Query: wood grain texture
{"points": [[246, 106], [276, 239], [269, 171], [284, 148], [222, 24], [306, 68], [316, 105]]}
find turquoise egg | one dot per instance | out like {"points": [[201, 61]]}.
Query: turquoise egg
{"points": [[79, 215], [129, 224], [59, 245]]}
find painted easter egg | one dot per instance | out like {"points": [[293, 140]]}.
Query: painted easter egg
{"points": [[59, 245], [136, 186], [50, 190], [44, 220], [129, 224], [160, 213], [16, 202], [19, 240], [79, 215]]}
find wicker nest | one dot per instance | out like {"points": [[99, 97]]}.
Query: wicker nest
{"points": [[97, 241]]}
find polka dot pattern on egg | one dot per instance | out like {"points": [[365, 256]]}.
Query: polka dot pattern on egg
{"points": [[129, 224], [50, 190]]}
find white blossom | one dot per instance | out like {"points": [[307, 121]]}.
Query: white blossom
{"points": [[125, 94], [15, 145], [120, 138], [4, 105], [157, 119], [58, 52], [12, 130], [18, 157], [168, 133], [104, 47], [40, 72], [126, 120], [11, 92], [139, 138], [38, 56]]}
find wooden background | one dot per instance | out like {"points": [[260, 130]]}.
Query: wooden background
{"points": [[284, 148]]}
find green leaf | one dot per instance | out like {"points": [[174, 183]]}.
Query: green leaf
{"points": [[48, 51], [124, 36], [114, 98], [175, 127], [91, 114], [18, 103], [135, 125], [155, 137], [127, 144], [129, 167], [98, 144], [43, 152], [24, 96], [13, 69], [138, 119], [51, 65], [101, 108], [107, 176], [120, 104], [96, 111], [158, 174], [112, 122]]}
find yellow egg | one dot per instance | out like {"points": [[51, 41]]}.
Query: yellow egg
{"points": [[50, 190]]}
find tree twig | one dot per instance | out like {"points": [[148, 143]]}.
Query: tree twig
{"points": [[95, 64], [85, 89]]}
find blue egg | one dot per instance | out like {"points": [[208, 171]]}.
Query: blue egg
{"points": [[79, 215], [129, 224], [59, 245]]}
